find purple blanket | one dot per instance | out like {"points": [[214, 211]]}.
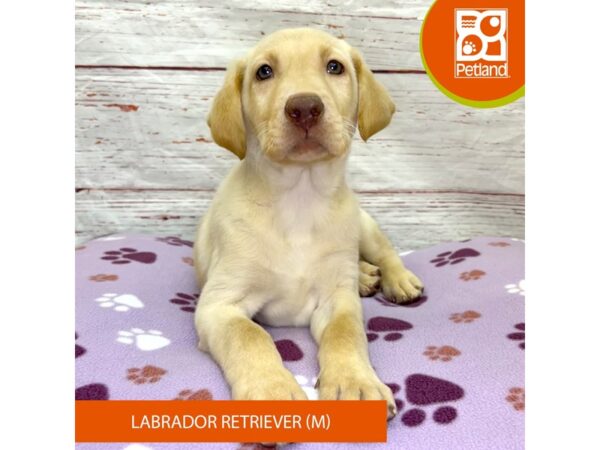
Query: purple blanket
{"points": [[454, 359]]}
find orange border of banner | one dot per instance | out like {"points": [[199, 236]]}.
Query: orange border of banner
{"points": [[341, 421]]}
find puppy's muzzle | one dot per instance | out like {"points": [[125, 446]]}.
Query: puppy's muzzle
{"points": [[304, 110]]}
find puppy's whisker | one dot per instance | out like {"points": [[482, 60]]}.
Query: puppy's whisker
{"points": [[349, 126], [261, 128]]}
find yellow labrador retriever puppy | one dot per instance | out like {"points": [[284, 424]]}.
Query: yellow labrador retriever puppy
{"points": [[285, 241]]}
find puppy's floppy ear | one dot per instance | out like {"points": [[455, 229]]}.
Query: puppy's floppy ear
{"points": [[375, 106], [225, 118]]}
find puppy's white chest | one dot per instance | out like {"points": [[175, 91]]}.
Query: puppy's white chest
{"points": [[296, 273], [296, 285], [299, 211]]}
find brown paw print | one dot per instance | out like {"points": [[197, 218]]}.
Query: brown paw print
{"points": [[187, 260], [455, 257], [516, 397], [189, 394], [499, 244], [147, 374], [519, 335], [444, 353], [465, 317], [472, 275], [186, 302], [126, 255], [175, 241], [104, 277]]}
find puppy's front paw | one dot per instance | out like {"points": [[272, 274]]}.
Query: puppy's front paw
{"points": [[400, 286], [355, 384], [368, 279], [275, 384]]}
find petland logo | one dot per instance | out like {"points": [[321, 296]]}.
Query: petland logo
{"points": [[481, 43]]}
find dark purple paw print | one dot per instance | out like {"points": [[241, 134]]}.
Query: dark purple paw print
{"points": [[186, 302], [413, 304], [79, 350], [388, 325], [454, 257], [256, 446], [289, 350], [519, 335], [424, 390], [126, 255], [94, 391], [175, 241]]}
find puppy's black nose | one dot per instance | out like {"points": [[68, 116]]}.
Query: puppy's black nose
{"points": [[304, 110]]}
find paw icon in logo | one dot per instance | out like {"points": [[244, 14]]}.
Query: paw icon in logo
{"points": [[469, 48]]}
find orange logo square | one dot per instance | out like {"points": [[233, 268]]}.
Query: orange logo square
{"points": [[481, 43]]}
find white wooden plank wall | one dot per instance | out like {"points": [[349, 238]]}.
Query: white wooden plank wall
{"points": [[147, 71]]}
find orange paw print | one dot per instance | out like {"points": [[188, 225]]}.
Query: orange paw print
{"points": [[147, 374], [499, 244], [472, 275], [444, 353], [465, 317], [516, 397], [104, 277], [189, 261], [188, 394]]}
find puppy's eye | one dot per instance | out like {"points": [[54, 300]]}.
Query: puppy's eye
{"points": [[335, 67], [264, 72]]}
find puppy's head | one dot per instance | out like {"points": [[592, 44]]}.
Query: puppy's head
{"points": [[299, 95]]}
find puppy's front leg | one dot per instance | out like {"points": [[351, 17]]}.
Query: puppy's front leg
{"points": [[346, 372], [397, 283], [246, 353]]}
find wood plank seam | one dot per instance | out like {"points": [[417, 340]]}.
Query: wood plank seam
{"points": [[362, 15], [357, 191], [217, 69]]}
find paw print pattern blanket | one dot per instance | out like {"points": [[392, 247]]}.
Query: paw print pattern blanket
{"points": [[454, 359]]}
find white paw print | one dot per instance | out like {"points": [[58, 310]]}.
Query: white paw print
{"points": [[112, 237], [468, 48], [119, 303], [516, 288], [144, 340], [137, 447], [308, 387]]}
